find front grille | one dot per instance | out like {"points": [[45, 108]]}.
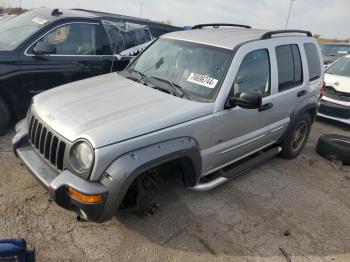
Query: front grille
{"points": [[332, 93], [46, 143]]}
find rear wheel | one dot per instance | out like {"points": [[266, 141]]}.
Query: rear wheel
{"points": [[297, 138], [4, 116]]}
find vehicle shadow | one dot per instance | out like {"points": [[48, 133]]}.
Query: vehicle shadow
{"points": [[5, 141], [276, 206], [333, 123]]}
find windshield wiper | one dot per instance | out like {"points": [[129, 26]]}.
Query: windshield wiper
{"points": [[178, 90], [140, 75], [156, 65]]}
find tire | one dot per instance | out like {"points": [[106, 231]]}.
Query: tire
{"points": [[5, 116], [334, 147], [295, 142]]}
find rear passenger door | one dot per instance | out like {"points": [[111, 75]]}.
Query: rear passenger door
{"points": [[292, 86]]}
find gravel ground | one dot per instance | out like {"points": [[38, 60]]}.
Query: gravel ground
{"points": [[301, 207]]}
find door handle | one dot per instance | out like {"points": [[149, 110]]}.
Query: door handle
{"points": [[302, 93], [266, 107]]}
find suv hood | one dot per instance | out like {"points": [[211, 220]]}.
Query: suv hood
{"points": [[110, 108], [339, 83]]}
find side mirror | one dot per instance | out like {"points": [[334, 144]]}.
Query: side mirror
{"points": [[247, 100], [42, 48]]}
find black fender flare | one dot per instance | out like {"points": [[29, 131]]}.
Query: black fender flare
{"points": [[296, 114], [125, 169]]}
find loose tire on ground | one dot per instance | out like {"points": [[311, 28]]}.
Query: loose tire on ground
{"points": [[4, 116], [334, 147], [297, 138]]}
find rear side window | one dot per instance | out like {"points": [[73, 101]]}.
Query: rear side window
{"points": [[290, 70], [313, 61]]}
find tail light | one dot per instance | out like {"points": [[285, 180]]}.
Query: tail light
{"points": [[323, 87]]}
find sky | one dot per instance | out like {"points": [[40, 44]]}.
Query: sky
{"points": [[329, 18]]}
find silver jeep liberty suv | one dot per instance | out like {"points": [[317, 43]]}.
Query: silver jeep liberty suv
{"points": [[202, 105]]}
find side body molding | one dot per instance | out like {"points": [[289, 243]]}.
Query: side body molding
{"points": [[124, 170]]}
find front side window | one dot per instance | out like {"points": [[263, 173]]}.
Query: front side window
{"points": [[290, 71], [198, 69], [73, 39], [313, 61], [254, 74]]}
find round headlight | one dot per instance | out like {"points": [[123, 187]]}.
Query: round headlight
{"points": [[82, 156]]}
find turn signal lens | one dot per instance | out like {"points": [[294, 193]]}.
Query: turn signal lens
{"points": [[90, 199]]}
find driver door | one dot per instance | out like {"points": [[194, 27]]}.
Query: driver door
{"points": [[82, 51], [238, 131]]}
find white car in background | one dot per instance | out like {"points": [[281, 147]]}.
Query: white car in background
{"points": [[335, 103]]}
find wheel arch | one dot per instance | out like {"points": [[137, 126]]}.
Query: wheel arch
{"points": [[310, 108], [119, 176]]}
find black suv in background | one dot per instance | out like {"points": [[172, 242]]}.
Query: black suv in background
{"points": [[45, 48]]}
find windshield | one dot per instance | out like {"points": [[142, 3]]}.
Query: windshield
{"points": [[341, 68], [335, 50], [18, 29], [195, 68]]}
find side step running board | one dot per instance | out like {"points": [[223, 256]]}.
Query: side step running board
{"points": [[238, 169]]}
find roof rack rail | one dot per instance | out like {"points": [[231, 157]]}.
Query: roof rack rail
{"points": [[200, 26], [269, 35]]}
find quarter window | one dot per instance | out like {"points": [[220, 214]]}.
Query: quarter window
{"points": [[290, 71], [313, 61], [254, 73]]}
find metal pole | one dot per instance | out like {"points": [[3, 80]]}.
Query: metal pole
{"points": [[141, 7], [290, 10], [20, 4]]}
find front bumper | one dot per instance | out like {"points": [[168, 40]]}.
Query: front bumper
{"points": [[57, 184], [334, 111]]}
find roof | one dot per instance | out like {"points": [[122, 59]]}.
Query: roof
{"points": [[117, 16], [66, 13], [227, 38], [82, 13]]}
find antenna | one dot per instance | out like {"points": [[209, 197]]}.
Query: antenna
{"points": [[290, 10], [56, 12]]}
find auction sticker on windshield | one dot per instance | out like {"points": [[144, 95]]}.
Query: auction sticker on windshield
{"points": [[202, 80], [39, 21]]}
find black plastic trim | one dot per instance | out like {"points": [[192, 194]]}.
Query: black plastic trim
{"points": [[295, 116], [126, 168], [269, 35], [200, 26]]}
